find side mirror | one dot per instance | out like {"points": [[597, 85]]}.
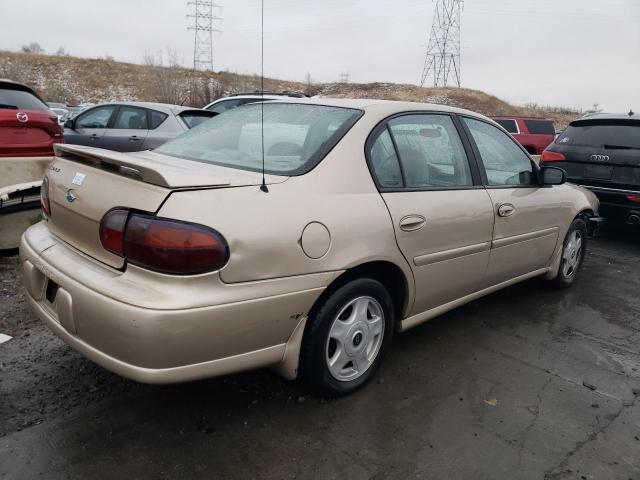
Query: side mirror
{"points": [[70, 124], [552, 176]]}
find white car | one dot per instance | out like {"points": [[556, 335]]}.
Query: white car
{"points": [[236, 100]]}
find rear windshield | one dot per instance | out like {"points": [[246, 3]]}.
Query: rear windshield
{"points": [[509, 125], [20, 100], [540, 127], [602, 136], [296, 137]]}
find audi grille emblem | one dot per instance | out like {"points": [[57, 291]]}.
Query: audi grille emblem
{"points": [[600, 158], [22, 117]]}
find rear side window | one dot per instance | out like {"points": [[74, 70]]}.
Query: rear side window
{"points": [[131, 118], [540, 127], [20, 100], [509, 125], [157, 118], [504, 162], [227, 105], [195, 118], [384, 161], [431, 152], [602, 136], [296, 137]]}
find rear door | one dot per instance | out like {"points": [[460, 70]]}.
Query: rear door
{"points": [[90, 126], [128, 131], [527, 217], [442, 216]]}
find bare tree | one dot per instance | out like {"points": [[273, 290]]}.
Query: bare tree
{"points": [[33, 47], [62, 52]]}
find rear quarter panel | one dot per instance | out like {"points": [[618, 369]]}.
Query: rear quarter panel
{"points": [[264, 230]]}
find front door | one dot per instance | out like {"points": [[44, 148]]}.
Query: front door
{"points": [[442, 216], [89, 127], [528, 216]]}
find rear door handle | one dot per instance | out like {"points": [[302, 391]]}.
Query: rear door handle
{"points": [[94, 137], [134, 138], [506, 210], [411, 223]]}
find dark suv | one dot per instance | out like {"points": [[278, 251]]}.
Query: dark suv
{"points": [[602, 153]]}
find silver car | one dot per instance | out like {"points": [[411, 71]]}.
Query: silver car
{"points": [[131, 126]]}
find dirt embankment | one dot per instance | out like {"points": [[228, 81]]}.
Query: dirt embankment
{"points": [[77, 80]]}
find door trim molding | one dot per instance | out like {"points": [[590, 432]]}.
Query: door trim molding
{"points": [[506, 241], [436, 257]]}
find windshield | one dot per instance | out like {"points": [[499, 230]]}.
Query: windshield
{"points": [[601, 136], [296, 137], [20, 100]]}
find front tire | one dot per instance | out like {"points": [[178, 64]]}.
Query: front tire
{"points": [[573, 252], [346, 338]]}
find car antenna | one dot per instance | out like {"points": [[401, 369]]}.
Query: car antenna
{"points": [[263, 187]]}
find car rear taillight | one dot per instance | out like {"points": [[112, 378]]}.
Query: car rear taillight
{"points": [[162, 244], [548, 156], [44, 197], [633, 198], [112, 230]]}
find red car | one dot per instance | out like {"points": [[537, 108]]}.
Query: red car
{"points": [[534, 134], [27, 127], [28, 131]]}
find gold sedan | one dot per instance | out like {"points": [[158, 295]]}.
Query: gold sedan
{"points": [[298, 234]]}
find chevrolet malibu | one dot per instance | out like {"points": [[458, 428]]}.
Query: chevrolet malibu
{"points": [[297, 234]]}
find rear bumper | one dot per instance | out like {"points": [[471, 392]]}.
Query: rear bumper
{"points": [[615, 204], [156, 345]]}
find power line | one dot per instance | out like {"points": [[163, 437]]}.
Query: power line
{"points": [[443, 51], [204, 27]]}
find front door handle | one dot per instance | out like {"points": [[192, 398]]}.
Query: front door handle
{"points": [[506, 210], [134, 138], [411, 223], [94, 137]]}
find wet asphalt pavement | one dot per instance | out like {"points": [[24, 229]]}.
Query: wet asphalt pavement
{"points": [[528, 383]]}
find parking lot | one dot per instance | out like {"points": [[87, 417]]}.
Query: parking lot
{"points": [[529, 382]]}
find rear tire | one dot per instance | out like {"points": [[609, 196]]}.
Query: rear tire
{"points": [[346, 338], [574, 248]]}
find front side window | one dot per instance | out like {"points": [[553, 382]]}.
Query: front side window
{"points": [[131, 118], [504, 162], [540, 127], [296, 137], [431, 152], [96, 118]]}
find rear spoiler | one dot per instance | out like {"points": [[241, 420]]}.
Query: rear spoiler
{"points": [[135, 166]]}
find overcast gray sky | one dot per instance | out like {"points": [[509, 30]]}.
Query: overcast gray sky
{"points": [[557, 52]]}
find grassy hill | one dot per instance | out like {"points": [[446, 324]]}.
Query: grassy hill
{"points": [[76, 80]]}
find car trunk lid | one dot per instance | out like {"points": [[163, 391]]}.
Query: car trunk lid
{"points": [[85, 183]]}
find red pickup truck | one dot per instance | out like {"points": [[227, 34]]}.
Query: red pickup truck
{"points": [[534, 134]]}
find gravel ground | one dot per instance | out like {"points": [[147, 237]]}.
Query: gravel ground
{"points": [[529, 382]]}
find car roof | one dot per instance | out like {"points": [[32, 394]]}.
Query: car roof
{"points": [[163, 107], [609, 116], [381, 107], [513, 117]]}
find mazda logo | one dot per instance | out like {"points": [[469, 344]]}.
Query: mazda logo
{"points": [[600, 158], [22, 117]]}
